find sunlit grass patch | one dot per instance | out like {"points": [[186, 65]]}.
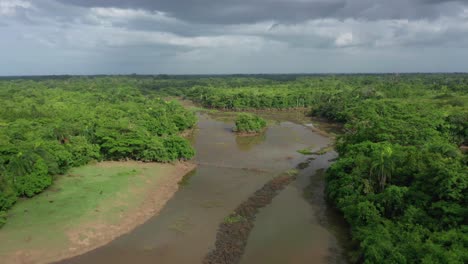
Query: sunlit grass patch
{"points": [[94, 193], [233, 219]]}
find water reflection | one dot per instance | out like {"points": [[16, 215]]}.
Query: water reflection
{"points": [[246, 143]]}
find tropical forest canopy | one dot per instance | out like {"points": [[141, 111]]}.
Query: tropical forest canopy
{"points": [[48, 126], [400, 179]]}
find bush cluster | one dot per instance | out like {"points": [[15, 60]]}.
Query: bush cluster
{"points": [[249, 123]]}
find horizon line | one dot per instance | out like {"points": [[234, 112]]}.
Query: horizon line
{"points": [[227, 74]]}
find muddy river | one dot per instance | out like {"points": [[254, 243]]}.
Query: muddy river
{"points": [[296, 227]]}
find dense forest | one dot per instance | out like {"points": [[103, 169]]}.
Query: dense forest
{"points": [[400, 180], [50, 125]]}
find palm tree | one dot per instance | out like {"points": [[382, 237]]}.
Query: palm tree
{"points": [[21, 164], [382, 165]]}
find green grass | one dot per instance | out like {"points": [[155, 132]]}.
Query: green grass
{"points": [[292, 172], [90, 193], [324, 150], [305, 151], [308, 151], [233, 219]]}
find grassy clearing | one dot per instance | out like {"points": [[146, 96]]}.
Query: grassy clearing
{"points": [[87, 197]]}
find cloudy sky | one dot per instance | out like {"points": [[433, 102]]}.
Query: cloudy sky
{"points": [[232, 36]]}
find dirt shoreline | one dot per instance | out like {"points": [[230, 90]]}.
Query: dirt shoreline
{"points": [[91, 235]]}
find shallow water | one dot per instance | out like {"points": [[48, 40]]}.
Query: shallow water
{"points": [[295, 227], [292, 229]]}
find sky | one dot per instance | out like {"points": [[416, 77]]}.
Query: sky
{"points": [[45, 37]]}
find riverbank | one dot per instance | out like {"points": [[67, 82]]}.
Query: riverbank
{"points": [[87, 208]]}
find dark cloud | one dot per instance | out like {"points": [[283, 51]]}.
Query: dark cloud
{"points": [[227, 11], [292, 11], [441, 1], [225, 36]]}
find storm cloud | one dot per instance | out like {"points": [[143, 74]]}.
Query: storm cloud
{"points": [[225, 36], [248, 11]]}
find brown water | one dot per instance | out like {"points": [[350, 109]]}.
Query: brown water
{"points": [[293, 229], [298, 227]]}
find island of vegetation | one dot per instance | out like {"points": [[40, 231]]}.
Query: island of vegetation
{"points": [[249, 124]]}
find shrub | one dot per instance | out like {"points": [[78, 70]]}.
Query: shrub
{"points": [[178, 147], [7, 194], [248, 123], [3, 217], [35, 182]]}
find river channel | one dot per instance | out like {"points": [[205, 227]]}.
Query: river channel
{"points": [[296, 227]]}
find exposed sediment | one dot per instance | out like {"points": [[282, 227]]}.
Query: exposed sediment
{"points": [[233, 233]]}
